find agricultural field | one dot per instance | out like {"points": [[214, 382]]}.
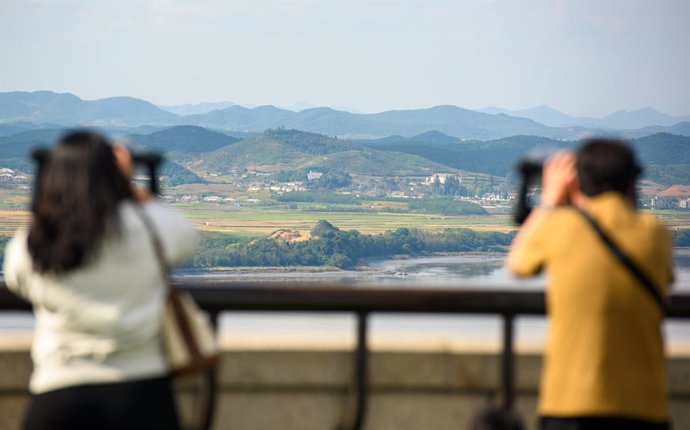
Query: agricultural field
{"points": [[258, 220], [674, 219], [12, 220], [263, 220]]}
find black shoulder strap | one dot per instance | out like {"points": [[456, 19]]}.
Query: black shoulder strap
{"points": [[645, 282]]}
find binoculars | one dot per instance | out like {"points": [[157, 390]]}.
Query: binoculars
{"points": [[149, 160], [530, 169]]}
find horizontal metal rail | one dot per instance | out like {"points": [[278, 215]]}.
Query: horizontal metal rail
{"points": [[309, 296], [218, 296]]}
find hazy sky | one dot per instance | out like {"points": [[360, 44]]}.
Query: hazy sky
{"points": [[582, 57]]}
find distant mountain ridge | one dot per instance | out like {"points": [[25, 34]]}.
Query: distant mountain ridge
{"points": [[196, 109], [18, 109], [619, 120], [451, 120], [68, 109]]}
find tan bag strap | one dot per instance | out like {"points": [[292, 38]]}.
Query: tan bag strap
{"points": [[157, 244], [173, 292], [204, 419]]}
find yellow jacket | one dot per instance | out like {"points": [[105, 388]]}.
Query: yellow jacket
{"points": [[605, 352]]}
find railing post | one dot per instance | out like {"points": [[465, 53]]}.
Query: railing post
{"points": [[362, 369], [357, 397], [507, 363], [211, 385]]}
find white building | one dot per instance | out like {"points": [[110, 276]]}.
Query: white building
{"points": [[314, 175], [442, 177]]}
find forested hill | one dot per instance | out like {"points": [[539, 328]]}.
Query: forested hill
{"points": [[279, 149], [659, 152], [495, 157], [188, 139]]}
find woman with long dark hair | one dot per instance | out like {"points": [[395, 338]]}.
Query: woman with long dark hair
{"points": [[87, 264]]}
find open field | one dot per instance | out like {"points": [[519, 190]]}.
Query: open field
{"points": [[674, 219], [11, 220], [265, 220], [261, 221]]}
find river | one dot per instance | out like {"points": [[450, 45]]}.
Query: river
{"points": [[391, 331]]}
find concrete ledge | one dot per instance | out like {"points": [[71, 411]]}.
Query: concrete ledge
{"points": [[306, 389]]}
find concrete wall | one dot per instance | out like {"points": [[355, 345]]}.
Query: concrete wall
{"points": [[307, 390]]}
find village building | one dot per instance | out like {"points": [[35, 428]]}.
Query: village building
{"points": [[189, 198], [442, 177], [314, 175], [673, 197]]}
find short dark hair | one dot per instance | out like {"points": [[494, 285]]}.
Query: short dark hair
{"points": [[607, 165]]}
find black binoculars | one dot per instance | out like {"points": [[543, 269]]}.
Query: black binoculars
{"points": [[530, 169], [149, 160]]}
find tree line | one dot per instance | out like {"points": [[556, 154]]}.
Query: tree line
{"points": [[330, 246]]}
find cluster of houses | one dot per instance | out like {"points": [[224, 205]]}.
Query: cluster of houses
{"points": [[192, 198], [9, 175], [675, 197]]}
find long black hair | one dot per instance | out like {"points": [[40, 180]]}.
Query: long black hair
{"points": [[78, 188]]}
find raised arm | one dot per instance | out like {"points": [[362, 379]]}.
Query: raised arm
{"points": [[559, 179]]}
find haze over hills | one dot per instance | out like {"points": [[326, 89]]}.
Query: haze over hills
{"points": [[680, 129], [20, 109], [196, 109], [451, 120], [646, 117], [620, 120], [68, 109]]}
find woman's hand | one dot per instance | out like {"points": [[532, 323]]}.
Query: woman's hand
{"points": [[124, 161], [123, 158], [558, 178]]}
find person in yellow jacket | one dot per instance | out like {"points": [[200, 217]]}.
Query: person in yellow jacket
{"points": [[604, 362]]}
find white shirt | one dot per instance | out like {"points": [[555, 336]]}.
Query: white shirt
{"points": [[101, 322]]}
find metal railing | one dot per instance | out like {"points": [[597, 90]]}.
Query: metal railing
{"points": [[362, 300]]}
